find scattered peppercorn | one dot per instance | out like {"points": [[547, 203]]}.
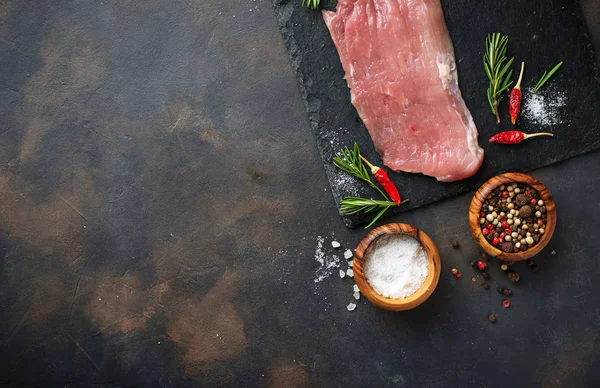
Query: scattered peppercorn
{"points": [[506, 292], [481, 265], [506, 303], [454, 271], [457, 276], [473, 279], [455, 244], [486, 286], [485, 275], [474, 264], [484, 256], [513, 276], [532, 264], [492, 318], [504, 267]]}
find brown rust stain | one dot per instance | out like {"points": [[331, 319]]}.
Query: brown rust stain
{"points": [[209, 135], [55, 225], [121, 304], [288, 376], [570, 362], [210, 329], [74, 63]]}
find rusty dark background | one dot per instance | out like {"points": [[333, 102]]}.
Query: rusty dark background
{"points": [[161, 197]]}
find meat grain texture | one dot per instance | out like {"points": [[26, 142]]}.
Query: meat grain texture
{"points": [[400, 67]]}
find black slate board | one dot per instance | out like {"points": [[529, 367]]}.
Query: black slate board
{"points": [[541, 32]]}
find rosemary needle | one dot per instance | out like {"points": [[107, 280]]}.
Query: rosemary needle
{"points": [[546, 76], [497, 69], [314, 4]]}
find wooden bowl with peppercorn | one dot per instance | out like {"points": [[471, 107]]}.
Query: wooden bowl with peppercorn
{"points": [[397, 250], [512, 217]]}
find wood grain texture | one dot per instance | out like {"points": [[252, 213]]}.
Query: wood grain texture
{"points": [[485, 190], [433, 270]]}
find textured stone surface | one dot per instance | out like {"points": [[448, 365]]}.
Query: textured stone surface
{"points": [[160, 201]]}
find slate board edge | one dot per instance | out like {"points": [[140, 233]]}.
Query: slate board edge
{"points": [[284, 10]]}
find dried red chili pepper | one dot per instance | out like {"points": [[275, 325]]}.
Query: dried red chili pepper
{"points": [[514, 137], [385, 181], [516, 96]]}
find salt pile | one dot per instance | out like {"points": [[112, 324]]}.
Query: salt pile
{"points": [[545, 107], [396, 266]]}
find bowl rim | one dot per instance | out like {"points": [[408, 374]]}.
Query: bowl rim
{"points": [[489, 186], [433, 270]]}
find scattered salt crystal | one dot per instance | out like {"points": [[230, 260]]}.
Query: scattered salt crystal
{"points": [[554, 252], [350, 263], [355, 288], [348, 254], [342, 274], [350, 273], [346, 185], [326, 263], [351, 307], [356, 295], [335, 244], [544, 108], [396, 266]]}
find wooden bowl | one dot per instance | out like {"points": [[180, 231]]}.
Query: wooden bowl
{"points": [[433, 270], [485, 190]]}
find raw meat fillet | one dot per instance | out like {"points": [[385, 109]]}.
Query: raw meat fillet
{"points": [[400, 67]]}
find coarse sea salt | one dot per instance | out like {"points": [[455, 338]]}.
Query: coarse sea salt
{"points": [[545, 107], [348, 254], [396, 266]]}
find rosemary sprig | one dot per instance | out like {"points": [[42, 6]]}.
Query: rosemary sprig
{"points": [[314, 4], [353, 205], [349, 161], [546, 76], [497, 69]]}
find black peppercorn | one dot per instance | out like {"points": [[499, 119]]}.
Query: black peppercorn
{"points": [[486, 286], [506, 292], [507, 247], [521, 200], [525, 211], [492, 318], [474, 264], [531, 264], [455, 244], [513, 276], [485, 274]]}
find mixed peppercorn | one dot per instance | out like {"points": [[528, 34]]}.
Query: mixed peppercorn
{"points": [[513, 217]]}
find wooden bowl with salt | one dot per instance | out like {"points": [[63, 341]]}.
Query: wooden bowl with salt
{"points": [[486, 189], [433, 268]]}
